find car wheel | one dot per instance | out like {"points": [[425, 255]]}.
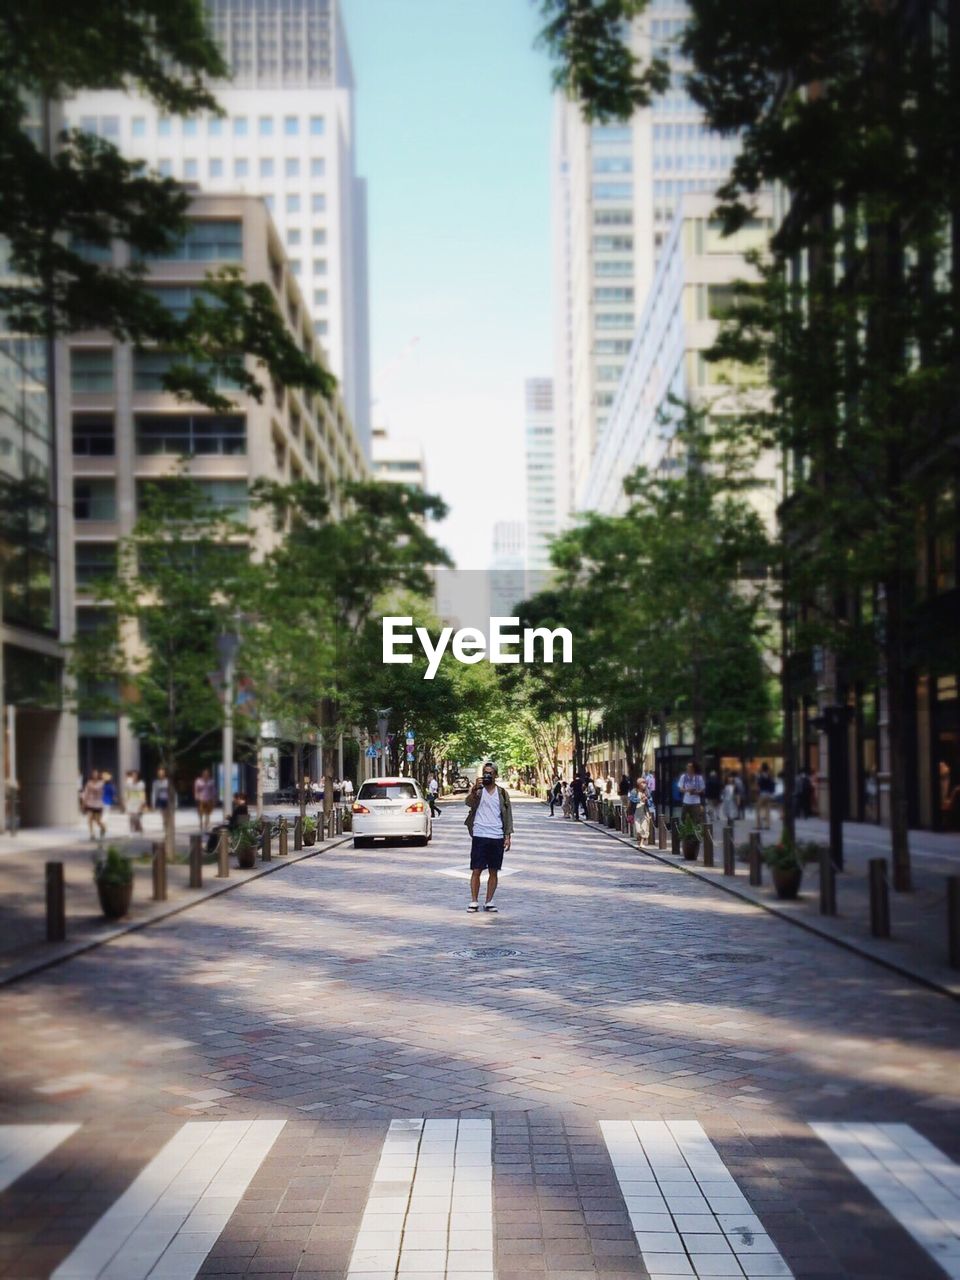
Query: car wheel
{"points": [[420, 840]]}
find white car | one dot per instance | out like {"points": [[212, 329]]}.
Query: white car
{"points": [[394, 808]]}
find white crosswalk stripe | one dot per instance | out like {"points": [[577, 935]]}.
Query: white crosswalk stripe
{"points": [[689, 1216], [430, 1211], [24, 1145], [912, 1179], [169, 1218]]}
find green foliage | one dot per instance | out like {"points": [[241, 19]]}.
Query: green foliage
{"points": [[63, 196], [593, 62], [113, 868], [309, 827], [688, 828], [784, 855]]}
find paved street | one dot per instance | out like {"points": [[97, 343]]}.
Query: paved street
{"points": [[242, 1086]]}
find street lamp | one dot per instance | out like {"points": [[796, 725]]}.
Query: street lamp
{"points": [[228, 642], [383, 720]]}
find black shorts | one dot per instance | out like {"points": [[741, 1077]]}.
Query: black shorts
{"points": [[485, 852]]}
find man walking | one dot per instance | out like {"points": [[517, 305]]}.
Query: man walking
{"points": [[555, 794], [433, 786], [490, 823]]}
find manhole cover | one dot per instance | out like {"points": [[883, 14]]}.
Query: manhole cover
{"points": [[484, 953], [734, 957]]}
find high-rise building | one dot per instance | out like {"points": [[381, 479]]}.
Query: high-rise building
{"points": [[615, 190], [508, 585], [397, 461], [286, 134], [693, 289], [128, 432], [542, 472]]}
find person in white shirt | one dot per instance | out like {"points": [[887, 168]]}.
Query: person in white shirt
{"points": [[490, 823], [433, 788], [692, 787]]}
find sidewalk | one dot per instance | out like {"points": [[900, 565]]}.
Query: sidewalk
{"points": [[23, 945], [917, 947]]}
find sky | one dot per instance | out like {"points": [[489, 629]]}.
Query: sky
{"points": [[453, 111]]}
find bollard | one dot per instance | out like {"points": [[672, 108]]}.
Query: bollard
{"points": [[953, 921], [662, 830], [223, 855], [159, 871], [266, 849], [828, 885], [755, 859], [283, 838], [879, 898], [708, 844], [338, 822], [651, 831], [196, 862], [729, 853], [297, 834], [56, 903], [674, 837]]}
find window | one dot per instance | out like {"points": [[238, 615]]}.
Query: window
{"points": [[216, 167], [293, 236], [387, 791], [217, 239], [613, 244], [93, 435], [296, 266], [165, 168], [91, 370], [215, 127], [95, 499], [610, 133], [241, 168], [266, 167], [292, 204], [93, 560], [612, 218], [614, 320], [613, 191], [179, 298], [189, 128], [229, 496], [138, 127], [270, 202], [320, 297], [291, 126], [612, 164], [319, 235], [319, 266], [609, 372], [317, 126], [613, 294], [164, 127], [240, 127], [191, 169], [318, 167], [110, 128], [265, 126], [611, 346], [318, 202], [150, 369], [190, 434], [291, 167], [614, 267], [320, 328]]}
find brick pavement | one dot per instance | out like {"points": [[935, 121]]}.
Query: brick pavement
{"points": [[332, 996]]}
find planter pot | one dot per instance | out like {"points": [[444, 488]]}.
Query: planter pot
{"points": [[115, 899], [786, 881], [310, 837], [691, 847], [246, 856], [347, 821]]}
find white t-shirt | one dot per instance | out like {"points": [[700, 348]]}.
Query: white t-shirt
{"points": [[433, 786], [691, 788], [487, 820]]}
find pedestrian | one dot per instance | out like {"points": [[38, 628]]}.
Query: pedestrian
{"points": [[490, 823], [337, 790], [160, 792], [692, 788], [347, 791], [765, 789], [566, 797], [728, 804], [608, 787], [134, 800], [804, 793], [555, 794], [642, 818], [433, 789], [741, 793], [205, 798], [713, 795], [650, 779], [577, 799], [630, 801], [108, 794], [92, 800]]}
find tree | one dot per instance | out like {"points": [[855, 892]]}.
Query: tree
{"points": [[180, 580], [64, 197], [851, 107]]}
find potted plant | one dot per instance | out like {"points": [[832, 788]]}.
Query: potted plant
{"points": [[347, 824], [785, 861], [309, 830], [690, 834], [113, 875], [247, 843]]}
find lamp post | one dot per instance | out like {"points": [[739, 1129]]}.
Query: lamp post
{"points": [[383, 720], [6, 554], [833, 721], [228, 643]]}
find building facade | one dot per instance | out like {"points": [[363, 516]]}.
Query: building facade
{"points": [[127, 431], [692, 290], [615, 190], [286, 134], [542, 468], [397, 461]]}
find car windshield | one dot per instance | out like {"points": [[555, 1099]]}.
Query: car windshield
{"points": [[388, 791]]}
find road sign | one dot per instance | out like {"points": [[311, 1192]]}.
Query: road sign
{"points": [[371, 753], [410, 757]]}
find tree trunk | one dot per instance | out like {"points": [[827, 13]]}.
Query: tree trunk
{"points": [[328, 755], [169, 814], [577, 741], [301, 789], [259, 772]]}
